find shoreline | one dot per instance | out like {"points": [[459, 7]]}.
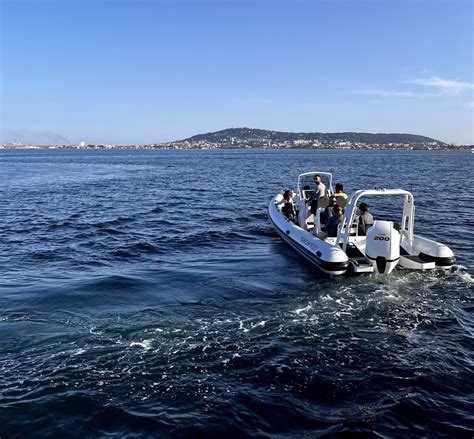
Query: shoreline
{"points": [[168, 148]]}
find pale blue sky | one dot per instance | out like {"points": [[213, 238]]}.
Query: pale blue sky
{"points": [[156, 70]]}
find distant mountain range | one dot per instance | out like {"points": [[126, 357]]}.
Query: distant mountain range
{"points": [[257, 138]]}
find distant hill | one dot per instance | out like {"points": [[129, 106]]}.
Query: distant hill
{"points": [[257, 138], [252, 134]]}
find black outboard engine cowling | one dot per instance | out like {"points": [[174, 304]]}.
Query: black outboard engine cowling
{"points": [[382, 247]]}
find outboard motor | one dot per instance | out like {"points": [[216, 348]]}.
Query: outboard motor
{"points": [[382, 246]]}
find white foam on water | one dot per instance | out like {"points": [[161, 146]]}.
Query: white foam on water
{"points": [[305, 309], [93, 330], [78, 352], [145, 344], [154, 330], [252, 325], [461, 273]]}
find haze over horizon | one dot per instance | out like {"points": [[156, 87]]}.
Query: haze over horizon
{"points": [[154, 71]]}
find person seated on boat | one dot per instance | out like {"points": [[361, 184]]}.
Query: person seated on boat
{"points": [[334, 221], [339, 192], [329, 211], [288, 208], [319, 192], [366, 219]]}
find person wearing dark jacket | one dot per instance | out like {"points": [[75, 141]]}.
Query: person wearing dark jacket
{"points": [[334, 221], [329, 211], [288, 208]]}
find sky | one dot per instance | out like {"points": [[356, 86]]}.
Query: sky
{"points": [[149, 71]]}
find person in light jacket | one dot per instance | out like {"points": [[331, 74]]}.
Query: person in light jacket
{"points": [[319, 192], [366, 219]]}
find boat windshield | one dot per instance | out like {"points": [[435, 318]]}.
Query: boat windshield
{"points": [[306, 183]]}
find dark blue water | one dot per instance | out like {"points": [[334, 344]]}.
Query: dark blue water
{"points": [[145, 294]]}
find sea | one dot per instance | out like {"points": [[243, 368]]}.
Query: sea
{"points": [[144, 293]]}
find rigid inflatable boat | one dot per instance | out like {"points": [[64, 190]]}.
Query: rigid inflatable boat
{"points": [[386, 245]]}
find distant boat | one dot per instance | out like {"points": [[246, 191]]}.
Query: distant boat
{"points": [[386, 246]]}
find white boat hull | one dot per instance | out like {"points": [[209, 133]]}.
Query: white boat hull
{"points": [[322, 255]]}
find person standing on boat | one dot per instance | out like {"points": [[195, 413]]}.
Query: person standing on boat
{"points": [[319, 192], [366, 219]]}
